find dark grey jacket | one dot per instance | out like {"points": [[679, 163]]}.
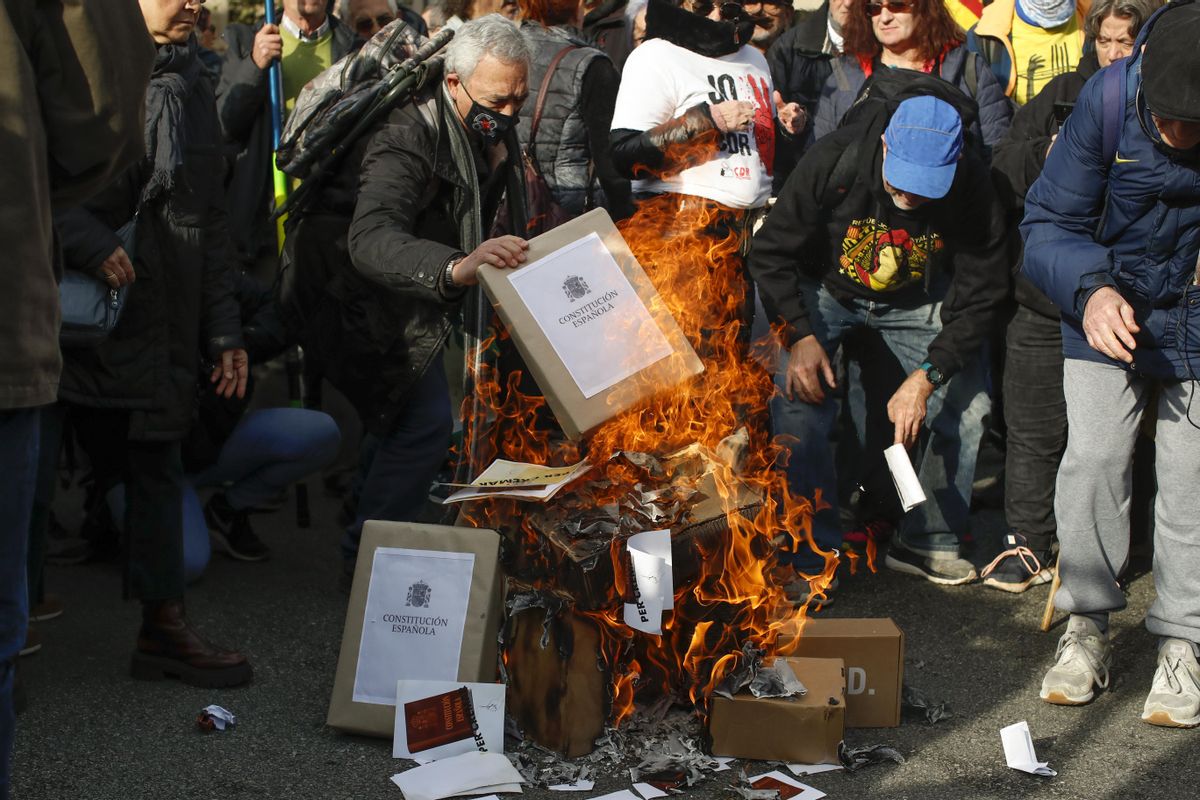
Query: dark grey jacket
{"points": [[244, 106], [380, 324], [181, 307], [63, 135]]}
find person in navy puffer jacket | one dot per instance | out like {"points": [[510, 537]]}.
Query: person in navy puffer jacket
{"points": [[1112, 236]]}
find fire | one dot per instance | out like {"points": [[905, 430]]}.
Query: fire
{"points": [[719, 419]]}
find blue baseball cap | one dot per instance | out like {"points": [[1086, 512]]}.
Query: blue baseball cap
{"points": [[924, 140]]}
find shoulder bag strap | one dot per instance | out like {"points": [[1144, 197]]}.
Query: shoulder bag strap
{"points": [[540, 105]]}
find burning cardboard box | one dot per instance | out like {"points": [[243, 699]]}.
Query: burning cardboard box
{"points": [[589, 324], [807, 729]]}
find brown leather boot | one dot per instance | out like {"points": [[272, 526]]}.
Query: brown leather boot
{"points": [[169, 647]]}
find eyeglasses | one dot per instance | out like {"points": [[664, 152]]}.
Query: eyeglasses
{"points": [[365, 25], [729, 10], [901, 7]]}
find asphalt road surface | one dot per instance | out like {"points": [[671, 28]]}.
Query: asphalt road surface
{"points": [[91, 732]]}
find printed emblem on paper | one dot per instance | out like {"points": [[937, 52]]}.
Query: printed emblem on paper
{"points": [[575, 287], [418, 595]]}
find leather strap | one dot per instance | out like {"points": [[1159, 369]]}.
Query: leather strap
{"points": [[541, 97]]}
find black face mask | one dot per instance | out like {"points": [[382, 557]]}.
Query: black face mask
{"points": [[492, 126]]}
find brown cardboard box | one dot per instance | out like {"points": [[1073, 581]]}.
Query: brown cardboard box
{"points": [[873, 650], [477, 653], [576, 413], [804, 729]]}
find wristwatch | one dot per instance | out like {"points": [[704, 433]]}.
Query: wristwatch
{"points": [[448, 284], [933, 374]]}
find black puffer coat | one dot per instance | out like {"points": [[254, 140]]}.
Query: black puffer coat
{"points": [[375, 328], [181, 307]]}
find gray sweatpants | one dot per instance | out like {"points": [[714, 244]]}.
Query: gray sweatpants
{"points": [[1092, 497]]}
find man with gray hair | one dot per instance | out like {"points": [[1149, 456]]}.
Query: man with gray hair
{"points": [[433, 178]]}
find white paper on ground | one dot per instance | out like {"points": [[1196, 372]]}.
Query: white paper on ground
{"points": [[577, 786], [724, 761], [648, 792], [1019, 753], [487, 700], [468, 774], [800, 770], [789, 789], [653, 578], [907, 486], [413, 621], [518, 481], [591, 314]]}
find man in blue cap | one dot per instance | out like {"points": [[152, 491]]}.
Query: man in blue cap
{"points": [[910, 244]]}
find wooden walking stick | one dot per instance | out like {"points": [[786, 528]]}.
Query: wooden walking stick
{"points": [[1048, 614]]}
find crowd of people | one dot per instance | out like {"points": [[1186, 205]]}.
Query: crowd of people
{"points": [[960, 221]]}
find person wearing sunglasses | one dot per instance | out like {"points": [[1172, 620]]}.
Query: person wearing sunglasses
{"points": [[917, 35], [368, 17], [771, 19]]}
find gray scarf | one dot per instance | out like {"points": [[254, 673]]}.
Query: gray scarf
{"points": [[1046, 13], [176, 67]]}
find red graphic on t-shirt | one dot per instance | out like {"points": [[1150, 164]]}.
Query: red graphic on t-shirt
{"points": [[764, 123]]}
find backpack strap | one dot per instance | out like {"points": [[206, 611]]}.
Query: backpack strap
{"points": [[971, 74], [540, 105], [1112, 110], [845, 169]]}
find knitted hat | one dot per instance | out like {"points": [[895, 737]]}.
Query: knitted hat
{"points": [[1171, 66]]}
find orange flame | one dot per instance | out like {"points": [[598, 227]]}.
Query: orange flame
{"points": [[737, 595]]}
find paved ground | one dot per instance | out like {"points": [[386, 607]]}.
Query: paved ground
{"points": [[92, 733]]}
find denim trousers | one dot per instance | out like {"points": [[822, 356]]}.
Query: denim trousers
{"points": [[268, 451], [406, 459], [1035, 412], [19, 434], [945, 457]]}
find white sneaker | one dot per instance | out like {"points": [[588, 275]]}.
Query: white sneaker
{"points": [[1174, 699], [1081, 665]]}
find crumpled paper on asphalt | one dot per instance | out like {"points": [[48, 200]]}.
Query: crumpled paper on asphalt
{"points": [[913, 699], [855, 758], [215, 718]]}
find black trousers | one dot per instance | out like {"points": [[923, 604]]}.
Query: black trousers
{"points": [[153, 477], [1035, 412]]}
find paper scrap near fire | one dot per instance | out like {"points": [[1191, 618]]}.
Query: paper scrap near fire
{"points": [[469, 774], [518, 481], [788, 789], [653, 580], [438, 719], [1019, 752], [591, 314], [907, 486]]}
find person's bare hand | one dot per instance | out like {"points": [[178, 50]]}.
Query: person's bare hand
{"points": [[117, 269], [907, 407], [231, 374], [792, 116], [503, 251], [268, 46], [807, 365], [1109, 325], [732, 115]]}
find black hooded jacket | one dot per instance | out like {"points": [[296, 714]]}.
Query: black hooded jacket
{"points": [[857, 243]]}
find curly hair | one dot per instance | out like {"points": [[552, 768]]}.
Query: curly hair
{"points": [[549, 12], [934, 33]]}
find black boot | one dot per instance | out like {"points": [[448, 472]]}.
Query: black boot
{"points": [[169, 647]]}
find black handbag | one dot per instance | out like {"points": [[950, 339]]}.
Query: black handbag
{"points": [[91, 308]]}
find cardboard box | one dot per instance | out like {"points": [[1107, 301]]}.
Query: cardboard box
{"points": [[805, 729], [574, 310], [416, 622], [873, 650]]}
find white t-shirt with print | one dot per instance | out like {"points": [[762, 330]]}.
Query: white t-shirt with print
{"points": [[661, 81]]}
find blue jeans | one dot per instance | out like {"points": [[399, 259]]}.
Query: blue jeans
{"points": [[19, 434], [945, 457], [269, 450], [406, 460]]}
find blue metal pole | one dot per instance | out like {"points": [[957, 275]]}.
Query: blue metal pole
{"points": [[275, 81]]}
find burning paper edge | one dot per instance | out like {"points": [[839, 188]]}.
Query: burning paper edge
{"points": [[1019, 752], [908, 487], [545, 490]]}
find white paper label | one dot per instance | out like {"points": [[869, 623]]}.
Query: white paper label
{"points": [[589, 311], [653, 580], [414, 619]]}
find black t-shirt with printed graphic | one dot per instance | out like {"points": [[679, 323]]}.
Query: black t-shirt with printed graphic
{"points": [[859, 244]]}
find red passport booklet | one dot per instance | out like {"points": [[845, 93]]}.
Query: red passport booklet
{"points": [[434, 721]]}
